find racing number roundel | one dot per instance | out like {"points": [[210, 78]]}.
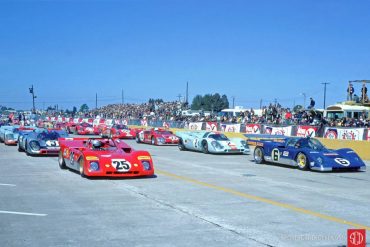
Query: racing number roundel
{"points": [[121, 165], [342, 161], [275, 154]]}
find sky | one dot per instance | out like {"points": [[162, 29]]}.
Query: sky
{"points": [[251, 51]]}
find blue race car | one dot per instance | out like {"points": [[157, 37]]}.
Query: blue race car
{"points": [[41, 141], [306, 154], [11, 136], [6, 129]]}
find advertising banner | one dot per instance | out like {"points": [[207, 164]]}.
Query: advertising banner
{"points": [[109, 121], [272, 130], [331, 133], [195, 126], [344, 134], [253, 128], [230, 128], [166, 125], [211, 126], [304, 131], [144, 123]]}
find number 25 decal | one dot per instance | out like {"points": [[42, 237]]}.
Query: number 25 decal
{"points": [[342, 161], [121, 165]]}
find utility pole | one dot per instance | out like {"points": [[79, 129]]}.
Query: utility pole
{"points": [[96, 101], [187, 93], [33, 98], [325, 83]]}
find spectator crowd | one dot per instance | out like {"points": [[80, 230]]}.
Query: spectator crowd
{"points": [[273, 114]]}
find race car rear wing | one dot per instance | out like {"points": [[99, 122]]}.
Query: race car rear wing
{"points": [[75, 142]]}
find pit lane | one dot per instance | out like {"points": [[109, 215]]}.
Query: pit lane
{"points": [[194, 200]]}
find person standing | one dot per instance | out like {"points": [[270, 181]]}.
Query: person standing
{"points": [[350, 91], [364, 94]]}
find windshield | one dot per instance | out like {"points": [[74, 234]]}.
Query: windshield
{"points": [[315, 144], [163, 132], [120, 127], [48, 135], [218, 137]]}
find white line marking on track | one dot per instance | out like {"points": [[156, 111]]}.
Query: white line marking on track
{"points": [[21, 213], [11, 185]]}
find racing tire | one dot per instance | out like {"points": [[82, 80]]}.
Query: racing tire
{"points": [[61, 161], [153, 141], [205, 147], [137, 138], [26, 149], [258, 155], [81, 167], [20, 149], [302, 161], [181, 145]]}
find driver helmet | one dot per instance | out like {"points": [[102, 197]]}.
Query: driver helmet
{"points": [[97, 144]]}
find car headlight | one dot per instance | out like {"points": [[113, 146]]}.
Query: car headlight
{"points": [[217, 145], [146, 164], [94, 166], [245, 144], [35, 145]]}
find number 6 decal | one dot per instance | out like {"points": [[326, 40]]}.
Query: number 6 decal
{"points": [[275, 154], [342, 161]]}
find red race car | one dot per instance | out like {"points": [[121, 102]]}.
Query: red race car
{"points": [[70, 127], [87, 129], [103, 157], [157, 136], [120, 131]]}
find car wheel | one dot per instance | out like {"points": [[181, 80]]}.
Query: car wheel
{"points": [[258, 155], [19, 148], [26, 148], [181, 145], [82, 169], [205, 147], [137, 138], [302, 161], [61, 161], [154, 141]]}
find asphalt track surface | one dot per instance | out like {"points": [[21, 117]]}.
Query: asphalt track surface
{"points": [[195, 199]]}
